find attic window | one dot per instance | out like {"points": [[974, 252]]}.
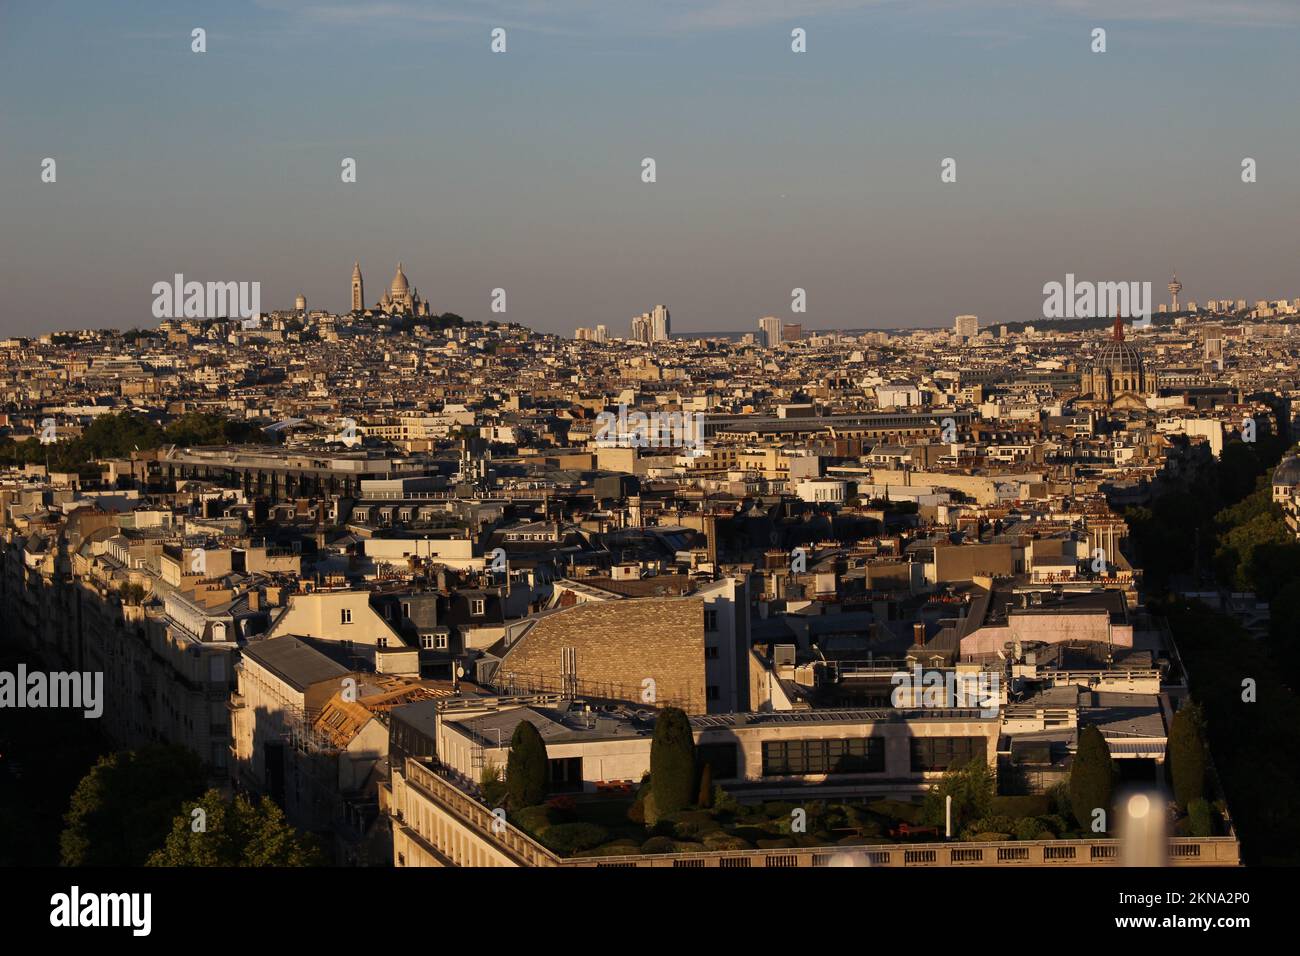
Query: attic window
{"points": [[477, 606]]}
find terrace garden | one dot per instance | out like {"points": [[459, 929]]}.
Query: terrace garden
{"points": [[617, 826], [677, 808]]}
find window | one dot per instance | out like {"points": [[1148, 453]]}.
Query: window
{"points": [[710, 620], [345, 616], [565, 774], [477, 606], [721, 758], [383, 642], [388, 612], [406, 610], [440, 641], [943, 753], [840, 755], [426, 641]]}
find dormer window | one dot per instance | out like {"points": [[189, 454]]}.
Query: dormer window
{"points": [[477, 606]]}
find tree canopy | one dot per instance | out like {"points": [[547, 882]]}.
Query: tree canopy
{"points": [[117, 435], [1187, 756], [526, 768], [234, 832], [972, 789], [121, 810], [1092, 778], [672, 761]]}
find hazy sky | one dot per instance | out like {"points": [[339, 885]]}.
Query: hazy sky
{"points": [[522, 170]]}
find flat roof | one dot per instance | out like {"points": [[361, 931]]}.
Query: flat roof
{"points": [[556, 726]]}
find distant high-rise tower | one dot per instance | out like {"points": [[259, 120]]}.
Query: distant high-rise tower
{"points": [[1175, 287], [358, 291], [1214, 347], [966, 326], [770, 326], [661, 325]]}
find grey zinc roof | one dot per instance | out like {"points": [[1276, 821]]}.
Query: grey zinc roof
{"points": [[294, 662]]}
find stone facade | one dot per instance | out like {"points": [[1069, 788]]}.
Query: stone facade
{"points": [[618, 645]]}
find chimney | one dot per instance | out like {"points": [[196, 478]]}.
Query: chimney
{"points": [[918, 635]]}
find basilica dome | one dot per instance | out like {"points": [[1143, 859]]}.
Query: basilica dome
{"points": [[400, 285]]}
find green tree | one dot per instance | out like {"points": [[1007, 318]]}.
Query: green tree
{"points": [[112, 436], [1200, 822], [491, 785], [1256, 750], [205, 428], [972, 789], [116, 436], [672, 761], [526, 768], [1092, 778], [234, 833], [1187, 755], [121, 810]]}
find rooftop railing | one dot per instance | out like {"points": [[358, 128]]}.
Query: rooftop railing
{"points": [[469, 812]]}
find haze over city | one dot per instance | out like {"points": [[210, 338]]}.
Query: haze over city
{"points": [[522, 170], [744, 437]]}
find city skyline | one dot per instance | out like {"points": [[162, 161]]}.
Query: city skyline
{"points": [[745, 437], [523, 170]]}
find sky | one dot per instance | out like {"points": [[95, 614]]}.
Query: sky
{"points": [[522, 170]]}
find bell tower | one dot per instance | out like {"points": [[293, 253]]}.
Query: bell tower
{"points": [[358, 290]]}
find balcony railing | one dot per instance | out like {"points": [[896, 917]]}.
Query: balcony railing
{"points": [[478, 818], [514, 843]]}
